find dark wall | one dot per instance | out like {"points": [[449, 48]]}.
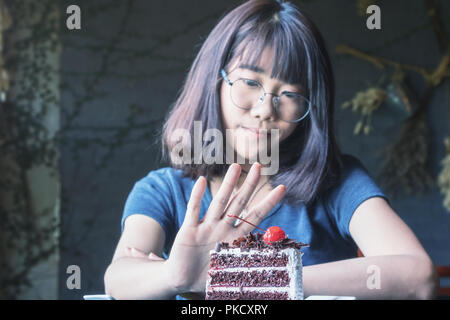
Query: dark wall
{"points": [[122, 70]]}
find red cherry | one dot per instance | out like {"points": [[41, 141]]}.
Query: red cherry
{"points": [[273, 234]]}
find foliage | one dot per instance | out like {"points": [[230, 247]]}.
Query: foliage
{"points": [[27, 236]]}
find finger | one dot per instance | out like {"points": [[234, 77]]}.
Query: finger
{"points": [[259, 212], [194, 204], [240, 202], [221, 199]]}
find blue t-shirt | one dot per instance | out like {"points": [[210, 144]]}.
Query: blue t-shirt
{"points": [[164, 193]]}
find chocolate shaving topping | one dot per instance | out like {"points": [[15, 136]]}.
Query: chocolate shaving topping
{"points": [[256, 241], [223, 245]]}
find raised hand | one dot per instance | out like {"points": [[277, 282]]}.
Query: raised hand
{"points": [[188, 262]]}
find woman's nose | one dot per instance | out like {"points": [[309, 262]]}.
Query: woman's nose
{"points": [[265, 108]]}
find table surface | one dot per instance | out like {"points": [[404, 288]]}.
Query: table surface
{"points": [[108, 297]]}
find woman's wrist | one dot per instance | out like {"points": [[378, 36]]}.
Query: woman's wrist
{"points": [[165, 278], [176, 286]]}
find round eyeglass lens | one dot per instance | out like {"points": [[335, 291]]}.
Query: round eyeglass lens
{"points": [[292, 107], [246, 93]]}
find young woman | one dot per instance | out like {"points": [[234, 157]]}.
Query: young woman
{"points": [[263, 70]]}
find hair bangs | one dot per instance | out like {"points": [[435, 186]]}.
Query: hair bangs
{"points": [[289, 56], [291, 63]]}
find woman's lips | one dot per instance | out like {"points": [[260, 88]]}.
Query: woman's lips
{"points": [[256, 132]]}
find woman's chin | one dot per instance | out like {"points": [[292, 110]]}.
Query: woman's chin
{"points": [[252, 156]]}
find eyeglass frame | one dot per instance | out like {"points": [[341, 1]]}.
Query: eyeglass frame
{"points": [[277, 97]]}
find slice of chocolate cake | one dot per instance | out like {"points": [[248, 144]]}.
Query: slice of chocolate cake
{"points": [[253, 269]]}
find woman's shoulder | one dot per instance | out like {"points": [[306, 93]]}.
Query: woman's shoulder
{"points": [[166, 179], [352, 168], [355, 186], [163, 175], [164, 172], [355, 179]]}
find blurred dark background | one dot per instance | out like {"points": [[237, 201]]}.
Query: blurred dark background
{"points": [[114, 80]]}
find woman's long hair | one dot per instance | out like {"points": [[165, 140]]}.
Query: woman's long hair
{"points": [[310, 160]]}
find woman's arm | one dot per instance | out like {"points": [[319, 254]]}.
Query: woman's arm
{"points": [[133, 252], [395, 265], [186, 268], [139, 278]]}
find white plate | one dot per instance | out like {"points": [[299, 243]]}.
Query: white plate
{"points": [[98, 297], [330, 298]]}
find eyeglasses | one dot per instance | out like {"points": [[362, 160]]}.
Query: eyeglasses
{"points": [[245, 93]]}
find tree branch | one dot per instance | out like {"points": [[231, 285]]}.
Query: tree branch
{"points": [[436, 23]]}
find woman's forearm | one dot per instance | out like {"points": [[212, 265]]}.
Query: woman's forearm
{"points": [[378, 277], [137, 279]]}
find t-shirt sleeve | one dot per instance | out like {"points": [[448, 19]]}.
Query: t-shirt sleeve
{"points": [[151, 196], [356, 187]]}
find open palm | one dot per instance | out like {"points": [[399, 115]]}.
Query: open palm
{"points": [[188, 262]]}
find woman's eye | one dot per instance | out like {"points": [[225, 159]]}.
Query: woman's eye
{"points": [[290, 95], [251, 83]]}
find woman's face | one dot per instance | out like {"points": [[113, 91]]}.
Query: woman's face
{"points": [[261, 116]]}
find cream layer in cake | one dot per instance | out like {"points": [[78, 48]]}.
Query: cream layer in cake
{"points": [[266, 273]]}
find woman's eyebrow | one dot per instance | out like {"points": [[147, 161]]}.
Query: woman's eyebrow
{"points": [[252, 68], [260, 70]]}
